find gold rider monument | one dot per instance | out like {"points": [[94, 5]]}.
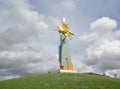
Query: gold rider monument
{"points": [[65, 60]]}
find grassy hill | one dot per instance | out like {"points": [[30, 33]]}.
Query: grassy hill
{"points": [[61, 81]]}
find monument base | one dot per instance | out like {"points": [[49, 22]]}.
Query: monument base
{"points": [[68, 71]]}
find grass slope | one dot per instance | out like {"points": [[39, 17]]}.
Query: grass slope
{"points": [[61, 81]]}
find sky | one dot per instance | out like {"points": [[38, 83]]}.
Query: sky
{"points": [[29, 40]]}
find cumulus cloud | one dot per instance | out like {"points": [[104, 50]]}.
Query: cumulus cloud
{"points": [[103, 24], [113, 73], [100, 29], [80, 66], [102, 45], [20, 24], [26, 62]]}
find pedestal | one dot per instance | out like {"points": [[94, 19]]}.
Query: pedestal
{"points": [[68, 71]]}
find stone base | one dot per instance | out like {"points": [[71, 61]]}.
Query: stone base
{"points": [[68, 71]]}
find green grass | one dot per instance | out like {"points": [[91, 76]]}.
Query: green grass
{"points": [[61, 81]]}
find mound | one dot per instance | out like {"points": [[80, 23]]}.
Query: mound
{"points": [[61, 81]]}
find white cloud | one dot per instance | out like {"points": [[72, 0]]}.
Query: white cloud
{"points": [[19, 24], [102, 45], [113, 73], [104, 24], [80, 66], [20, 14], [26, 62], [100, 29], [106, 55], [87, 38]]}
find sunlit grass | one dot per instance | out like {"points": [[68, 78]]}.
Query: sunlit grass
{"points": [[62, 81]]}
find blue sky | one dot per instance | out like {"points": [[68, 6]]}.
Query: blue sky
{"points": [[29, 40], [89, 10]]}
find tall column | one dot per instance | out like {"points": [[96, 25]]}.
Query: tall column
{"points": [[64, 54], [66, 65]]}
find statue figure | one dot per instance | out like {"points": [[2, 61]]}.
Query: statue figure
{"points": [[64, 29]]}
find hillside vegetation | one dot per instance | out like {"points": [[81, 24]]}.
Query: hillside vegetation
{"points": [[61, 81]]}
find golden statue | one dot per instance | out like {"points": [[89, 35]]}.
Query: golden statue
{"points": [[64, 29]]}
